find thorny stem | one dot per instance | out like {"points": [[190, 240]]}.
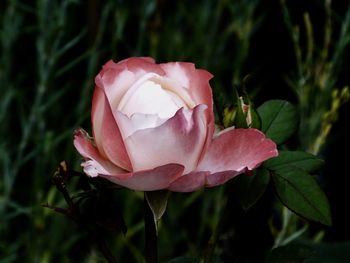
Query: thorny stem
{"points": [[59, 179], [151, 246]]}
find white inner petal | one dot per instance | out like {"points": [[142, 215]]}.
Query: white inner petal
{"points": [[144, 121], [172, 85], [93, 168], [137, 121], [150, 98]]}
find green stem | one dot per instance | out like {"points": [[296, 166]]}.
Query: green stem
{"points": [[210, 248], [151, 246]]}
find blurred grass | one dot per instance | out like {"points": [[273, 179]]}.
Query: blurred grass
{"points": [[50, 54], [318, 66]]}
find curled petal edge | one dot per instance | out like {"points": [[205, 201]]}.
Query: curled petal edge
{"points": [[94, 164], [149, 180], [220, 164]]}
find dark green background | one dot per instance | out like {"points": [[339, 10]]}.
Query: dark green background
{"points": [[50, 52]]}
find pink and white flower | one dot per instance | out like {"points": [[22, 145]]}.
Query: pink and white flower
{"points": [[153, 128]]}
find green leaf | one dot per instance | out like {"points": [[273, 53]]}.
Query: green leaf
{"points": [[300, 192], [293, 253], [279, 119], [157, 201], [302, 160], [330, 252], [249, 189]]}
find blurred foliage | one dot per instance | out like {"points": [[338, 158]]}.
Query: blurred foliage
{"points": [[318, 66], [50, 52]]}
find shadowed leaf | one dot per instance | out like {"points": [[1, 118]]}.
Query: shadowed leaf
{"points": [[302, 160], [300, 192], [250, 188], [293, 253], [279, 119]]}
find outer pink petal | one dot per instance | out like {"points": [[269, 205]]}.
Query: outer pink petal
{"points": [[189, 182], [94, 163], [133, 64], [115, 82], [221, 177], [106, 131], [108, 73], [179, 140], [137, 60], [233, 151], [116, 78], [150, 180], [141, 65]]}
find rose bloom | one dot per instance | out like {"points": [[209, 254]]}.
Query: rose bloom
{"points": [[153, 128]]}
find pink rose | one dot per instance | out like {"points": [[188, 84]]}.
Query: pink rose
{"points": [[153, 128]]}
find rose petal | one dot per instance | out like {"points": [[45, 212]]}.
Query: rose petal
{"points": [[141, 66], [95, 164], [106, 131], [116, 78], [175, 87], [233, 151], [189, 182], [115, 83], [179, 140], [208, 139], [195, 80], [137, 60], [220, 178], [137, 122], [150, 180], [147, 97]]}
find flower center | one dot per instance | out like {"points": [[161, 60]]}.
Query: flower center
{"points": [[148, 97]]}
